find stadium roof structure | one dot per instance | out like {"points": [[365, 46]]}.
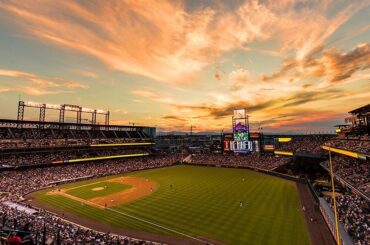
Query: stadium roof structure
{"points": [[360, 110], [36, 124], [151, 131]]}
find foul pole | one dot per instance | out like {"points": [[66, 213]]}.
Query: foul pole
{"points": [[333, 197]]}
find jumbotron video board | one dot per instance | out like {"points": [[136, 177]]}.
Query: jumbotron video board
{"points": [[241, 132]]}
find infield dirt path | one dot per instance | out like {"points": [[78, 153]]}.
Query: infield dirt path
{"points": [[140, 187]]}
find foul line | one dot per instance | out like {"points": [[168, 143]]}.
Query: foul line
{"points": [[148, 222], [158, 225], [126, 214]]}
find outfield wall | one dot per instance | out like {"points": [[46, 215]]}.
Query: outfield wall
{"points": [[269, 172]]}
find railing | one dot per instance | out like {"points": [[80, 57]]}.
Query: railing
{"points": [[328, 215], [346, 183]]}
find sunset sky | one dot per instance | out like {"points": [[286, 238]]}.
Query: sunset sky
{"points": [[296, 65]]}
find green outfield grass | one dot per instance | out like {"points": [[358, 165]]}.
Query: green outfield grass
{"points": [[87, 192], [204, 202]]}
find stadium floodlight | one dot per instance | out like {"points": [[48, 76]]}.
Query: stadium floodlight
{"points": [[33, 104], [87, 110], [72, 108], [101, 111], [52, 106], [62, 108]]}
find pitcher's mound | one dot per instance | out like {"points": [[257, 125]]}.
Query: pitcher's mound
{"points": [[97, 189]]}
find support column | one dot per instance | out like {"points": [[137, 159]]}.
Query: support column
{"points": [[20, 111], [20, 114], [107, 118], [93, 119], [42, 113], [61, 114], [79, 114]]}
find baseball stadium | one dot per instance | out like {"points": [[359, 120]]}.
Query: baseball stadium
{"points": [[184, 122], [124, 184]]}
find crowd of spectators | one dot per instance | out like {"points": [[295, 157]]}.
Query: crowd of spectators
{"points": [[253, 160], [361, 145], [39, 158], [14, 185], [353, 209], [11, 138], [305, 143], [354, 214], [355, 171]]}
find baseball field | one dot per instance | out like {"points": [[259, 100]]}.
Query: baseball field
{"points": [[228, 206]]}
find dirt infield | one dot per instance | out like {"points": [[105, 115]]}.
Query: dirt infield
{"points": [[317, 228], [140, 188]]}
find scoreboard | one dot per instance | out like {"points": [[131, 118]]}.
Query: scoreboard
{"points": [[235, 144], [242, 146], [241, 140]]}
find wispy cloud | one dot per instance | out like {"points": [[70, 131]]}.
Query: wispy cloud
{"points": [[328, 65], [152, 95], [172, 117], [279, 104], [39, 85], [86, 73], [203, 45], [171, 44], [4, 89], [239, 78]]}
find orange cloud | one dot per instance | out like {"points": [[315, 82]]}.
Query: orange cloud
{"points": [[153, 95], [239, 78], [328, 65], [38, 85], [4, 89], [171, 44]]}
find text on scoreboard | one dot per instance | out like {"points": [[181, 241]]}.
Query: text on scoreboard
{"points": [[238, 145]]}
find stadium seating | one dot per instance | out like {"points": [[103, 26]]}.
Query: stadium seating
{"points": [[15, 138], [15, 184], [361, 145], [355, 171], [244, 160], [354, 215], [353, 209], [48, 157], [305, 143]]}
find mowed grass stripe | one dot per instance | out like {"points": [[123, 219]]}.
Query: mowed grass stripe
{"points": [[200, 210], [103, 215], [205, 202]]}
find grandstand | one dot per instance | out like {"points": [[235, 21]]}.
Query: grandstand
{"points": [[38, 142], [38, 154]]}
